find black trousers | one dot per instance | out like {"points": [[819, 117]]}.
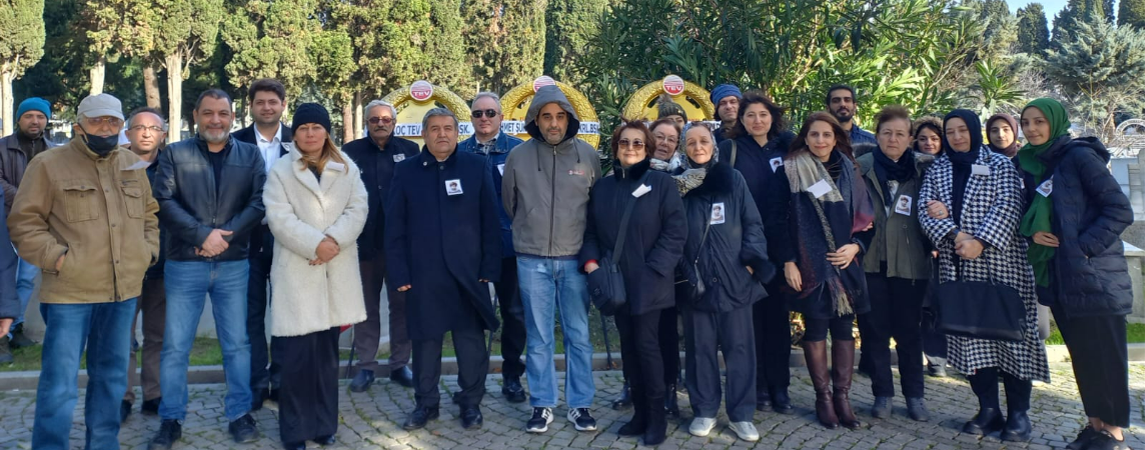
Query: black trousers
{"points": [[896, 311], [308, 402], [840, 328], [640, 351], [772, 324], [670, 345], [1100, 361], [472, 366], [731, 333], [258, 298], [512, 320], [985, 385]]}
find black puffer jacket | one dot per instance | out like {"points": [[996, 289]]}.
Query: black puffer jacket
{"points": [[190, 206], [656, 234], [1089, 274], [731, 246], [759, 166]]}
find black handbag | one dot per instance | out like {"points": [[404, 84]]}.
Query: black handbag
{"points": [[980, 310], [606, 284]]}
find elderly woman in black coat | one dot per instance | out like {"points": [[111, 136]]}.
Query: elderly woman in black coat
{"points": [[653, 242], [726, 254], [825, 226], [972, 198], [758, 142], [1075, 215]]}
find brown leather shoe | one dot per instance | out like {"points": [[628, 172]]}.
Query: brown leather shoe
{"points": [[816, 355], [843, 360]]}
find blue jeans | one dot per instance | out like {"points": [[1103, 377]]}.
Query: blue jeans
{"points": [[105, 330], [25, 284], [188, 283], [546, 286]]}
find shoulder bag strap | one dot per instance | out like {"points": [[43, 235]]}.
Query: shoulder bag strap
{"points": [[734, 148]]}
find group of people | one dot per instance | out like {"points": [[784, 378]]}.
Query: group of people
{"points": [[724, 229]]}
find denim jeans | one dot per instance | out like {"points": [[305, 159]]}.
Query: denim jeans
{"points": [[548, 285], [25, 284], [105, 330], [188, 284]]}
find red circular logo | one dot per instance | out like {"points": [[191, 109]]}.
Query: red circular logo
{"points": [[421, 90], [543, 81], [673, 85]]}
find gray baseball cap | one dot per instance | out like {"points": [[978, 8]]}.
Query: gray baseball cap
{"points": [[100, 105]]}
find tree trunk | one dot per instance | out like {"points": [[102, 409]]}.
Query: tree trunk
{"points": [[7, 109], [151, 86], [97, 72], [359, 123], [347, 121], [174, 64]]}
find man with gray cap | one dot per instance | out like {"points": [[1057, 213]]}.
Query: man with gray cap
{"points": [[86, 217], [16, 150], [545, 191]]}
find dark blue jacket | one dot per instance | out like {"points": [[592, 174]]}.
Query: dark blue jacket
{"points": [[758, 167], [261, 239], [441, 244], [496, 164], [9, 302], [861, 136], [156, 271], [377, 165], [1089, 274]]}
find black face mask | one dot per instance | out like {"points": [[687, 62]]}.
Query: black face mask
{"points": [[101, 145]]}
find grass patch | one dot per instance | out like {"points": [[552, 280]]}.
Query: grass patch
{"points": [[1135, 334], [204, 352]]}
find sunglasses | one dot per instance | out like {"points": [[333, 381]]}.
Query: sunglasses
{"points": [[625, 143], [385, 120], [490, 113]]}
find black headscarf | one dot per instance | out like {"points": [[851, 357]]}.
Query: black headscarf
{"points": [[886, 169], [962, 161]]}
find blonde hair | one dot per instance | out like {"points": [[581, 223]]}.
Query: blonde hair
{"points": [[330, 152]]}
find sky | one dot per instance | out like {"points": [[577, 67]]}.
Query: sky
{"points": [[1051, 6]]}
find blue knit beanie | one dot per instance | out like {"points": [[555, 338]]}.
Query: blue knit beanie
{"points": [[34, 104], [725, 90]]}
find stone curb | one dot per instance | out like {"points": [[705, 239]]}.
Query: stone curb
{"points": [[13, 381]]}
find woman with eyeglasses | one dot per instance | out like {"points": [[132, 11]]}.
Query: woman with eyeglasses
{"points": [[653, 242], [756, 147]]}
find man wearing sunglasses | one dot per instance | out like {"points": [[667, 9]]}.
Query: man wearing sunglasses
{"points": [[376, 154], [489, 141]]}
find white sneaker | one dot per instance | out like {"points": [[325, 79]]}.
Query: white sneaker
{"points": [[540, 421], [701, 426], [582, 419], [745, 431]]}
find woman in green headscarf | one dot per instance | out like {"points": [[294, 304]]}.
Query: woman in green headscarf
{"points": [[1075, 213]]}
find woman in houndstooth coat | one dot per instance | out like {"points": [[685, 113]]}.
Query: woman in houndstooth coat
{"points": [[974, 205]]}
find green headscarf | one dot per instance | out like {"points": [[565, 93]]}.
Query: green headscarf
{"points": [[1041, 210]]}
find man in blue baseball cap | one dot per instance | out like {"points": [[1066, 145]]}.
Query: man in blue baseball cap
{"points": [[726, 98], [16, 151]]}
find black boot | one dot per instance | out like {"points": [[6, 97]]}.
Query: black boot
{"points": [[657, 430], [639, 422], [780, 401], [1017, 427], [762, 398], [988, 420], [671, 405], [625, 398]]}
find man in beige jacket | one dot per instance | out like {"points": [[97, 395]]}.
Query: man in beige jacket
{"points": [[85, 216]]}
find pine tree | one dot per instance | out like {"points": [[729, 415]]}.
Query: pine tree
{"points": [[446, 50], [271, 39], [1065, 22], [1033, 30], [569, 24], [505, 40], [21, 47], [1131, 12], [186, 33]]}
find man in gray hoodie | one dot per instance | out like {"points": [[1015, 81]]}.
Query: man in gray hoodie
{"points": [[545, 188]]}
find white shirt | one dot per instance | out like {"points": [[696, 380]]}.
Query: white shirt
{"points": [[271, 149]]}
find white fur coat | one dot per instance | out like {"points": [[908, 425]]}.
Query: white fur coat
{"points": [[301, 212]]}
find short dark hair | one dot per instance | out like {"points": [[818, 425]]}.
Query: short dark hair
{"points": [[146, 109], [778, 123], [267, 85], [637, 125], [835, 87], [215, 93], [892, 112]]}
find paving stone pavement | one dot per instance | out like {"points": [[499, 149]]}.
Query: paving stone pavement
{"points": [[372, 420]]}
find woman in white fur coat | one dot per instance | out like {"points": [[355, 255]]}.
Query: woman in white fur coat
{"points": [[316, 208]]}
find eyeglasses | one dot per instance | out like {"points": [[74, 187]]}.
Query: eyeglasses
{"points": [[152, 128], [490, 113], [113, 122], [625, 143], [671, 140], [384, 120]]}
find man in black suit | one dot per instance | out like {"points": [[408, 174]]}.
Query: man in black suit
{"points": [[267, 99]]}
